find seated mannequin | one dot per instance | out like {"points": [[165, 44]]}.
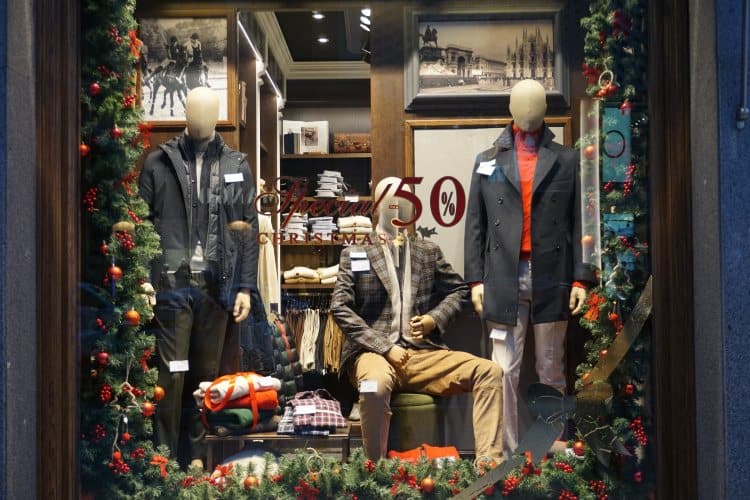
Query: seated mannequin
{"points": [[393, 300]]}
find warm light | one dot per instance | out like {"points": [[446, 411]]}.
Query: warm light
{"points": [[322, 39], [366, 11], [364, 20], [366, 28], [318, 16]]}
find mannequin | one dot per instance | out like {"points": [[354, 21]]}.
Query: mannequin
{"points": [[523, 215], [393, 300], [200, 195]]}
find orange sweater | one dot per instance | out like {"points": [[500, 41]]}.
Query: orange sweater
{"points": [[527, 149]]}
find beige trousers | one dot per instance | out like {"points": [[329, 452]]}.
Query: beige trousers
{"points": [[438, 372]]}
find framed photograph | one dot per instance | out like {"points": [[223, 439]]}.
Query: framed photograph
{"points": [[436, 148], [470, 61], [181, 53]]}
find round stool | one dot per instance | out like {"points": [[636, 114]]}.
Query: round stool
{"points": [[415, 420]]}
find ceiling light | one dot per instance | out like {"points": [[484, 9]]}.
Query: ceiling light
{"points": [[323, 39], [318, 16], [364, 27], [364, 20], [366, 11]]}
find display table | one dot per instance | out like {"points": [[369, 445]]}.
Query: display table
{"points": [[337, 442]]}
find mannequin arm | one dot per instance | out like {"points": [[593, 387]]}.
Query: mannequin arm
{"points": [[577, 299], [248, 260], [241, 305], [477, 297]]}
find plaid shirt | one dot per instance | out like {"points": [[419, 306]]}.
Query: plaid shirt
{"points": [[286, 424], [316, 410]]}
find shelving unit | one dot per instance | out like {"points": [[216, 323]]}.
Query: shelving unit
{"points": [[308, 156]]}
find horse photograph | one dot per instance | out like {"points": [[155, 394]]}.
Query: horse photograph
{"points": [[179, 54]]}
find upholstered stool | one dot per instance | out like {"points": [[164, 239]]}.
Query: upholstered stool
{"points": [[416, 419]]}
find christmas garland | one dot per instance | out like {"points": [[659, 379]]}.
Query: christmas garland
{"points": [[119, 391]]}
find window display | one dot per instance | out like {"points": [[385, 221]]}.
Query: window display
{"points": [[283, 342]]}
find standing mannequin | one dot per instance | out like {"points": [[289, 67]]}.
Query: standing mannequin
{"points": [[523, 216], [393, 300], [200, 195]]}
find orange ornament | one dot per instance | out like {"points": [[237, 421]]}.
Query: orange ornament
{"points": [[117, 455], [579, 448], [589, 152], [427, 484], [148, 409], [251, 482], [587, 240], [159, 393], [132, 317], [313, 476], [114, 272]]}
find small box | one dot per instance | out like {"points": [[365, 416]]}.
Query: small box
{"points": [[351, 143]]}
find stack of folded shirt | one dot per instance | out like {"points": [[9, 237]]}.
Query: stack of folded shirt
{"points": [[301, 274], [297, 225], [312, 413], [330, 184], [328, 275], [324, 226], [356, 224]]}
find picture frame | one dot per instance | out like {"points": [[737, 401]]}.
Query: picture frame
{"points": [[435, 148], [169, 68], [463, 59]]}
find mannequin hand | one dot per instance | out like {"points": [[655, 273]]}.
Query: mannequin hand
{"points": [[241, 306], [477, 297], [577, 298], [397, 356], [421, 326]]}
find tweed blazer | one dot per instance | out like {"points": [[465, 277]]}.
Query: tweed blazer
{"points": [[361, 304], [494, 222]]}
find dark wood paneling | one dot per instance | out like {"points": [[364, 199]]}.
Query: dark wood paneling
{"points": [[333, 93], [269, 133], [670, 174], [58, 230]]}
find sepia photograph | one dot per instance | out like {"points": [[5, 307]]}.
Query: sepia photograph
{"points": [[178, 55]]}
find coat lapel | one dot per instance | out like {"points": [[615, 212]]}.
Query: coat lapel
{"points": [[546, 159], [378, 266], [416, 272], [505, 159], [179, 166]]}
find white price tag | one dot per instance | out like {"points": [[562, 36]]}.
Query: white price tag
{"points": [[229, 178], [497, 334], [179, 366], [304, 410], [368, 386], [360, 265], [353, 198], [358, 255], [486, 167]]}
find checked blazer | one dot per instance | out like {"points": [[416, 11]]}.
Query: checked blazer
{"points": [[361, 304]]}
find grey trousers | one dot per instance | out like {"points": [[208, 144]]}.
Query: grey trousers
{"points": [[507, 351]]}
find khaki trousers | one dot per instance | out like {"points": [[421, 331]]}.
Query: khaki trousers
{"points": [[438, 372]]}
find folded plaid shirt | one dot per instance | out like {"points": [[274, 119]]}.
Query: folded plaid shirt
{"points": [[316, 410], [286, 424]]}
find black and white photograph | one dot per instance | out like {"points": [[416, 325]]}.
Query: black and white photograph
{"points": [[178, 55]]}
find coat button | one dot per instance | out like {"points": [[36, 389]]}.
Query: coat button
{"points": [[554, 199], [497, 222], [496, 246], [557, 247], [500, 200]]}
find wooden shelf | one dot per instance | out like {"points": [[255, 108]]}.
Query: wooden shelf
{"points": [[308, 156], [306, 286]]}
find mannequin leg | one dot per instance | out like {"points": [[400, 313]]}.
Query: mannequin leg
{"points": [[375, 407], [549, 340], [507, 351]]}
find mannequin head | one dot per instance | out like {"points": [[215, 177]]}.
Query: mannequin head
{"points": [[201, 113], [528, 104], [390, 206]]}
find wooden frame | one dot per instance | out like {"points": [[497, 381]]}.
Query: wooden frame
{"points": [[228, 98], [449, 93]]}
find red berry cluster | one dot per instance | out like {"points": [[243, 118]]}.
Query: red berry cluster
{"points": [[629, 389], [276, 478], [627, 187], [600, 488], [98, 433], [102, 326], [126, 240], [564, 467], [138, 454], [115, 34], [510, 484], [609, 186], [118, 466], [135, 217], [607, 90], [128, 101], [188, 482], [640, 433], [567, 495], [105, 393], [370, 465], [621, 24], [590, 73], [89, 199]]}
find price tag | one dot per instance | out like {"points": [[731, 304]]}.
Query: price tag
{"points": [[368, 386], [229, 178], [352, 198], [304, 410], [486, 167], [358, 255], [179, 366], [498, 334], [360, 265]]}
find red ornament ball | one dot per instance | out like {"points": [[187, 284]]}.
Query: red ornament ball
{"points": [[94, 89], [590, 152], [579, 448], [117, 455], [126, 436], [102, 358], [638, 477], [602, 353], [132, 317], [159, 393], [84, 149], [629, 389], [103, 248], [114, 272], [489, 490], [427, 485], [116, 132], [251, 482], [148, 409]]}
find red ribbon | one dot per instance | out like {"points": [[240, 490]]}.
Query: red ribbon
{"points": [[135, 44], [125, 183], [144, 134], [144, 359], [162, 462], [593, 303]]}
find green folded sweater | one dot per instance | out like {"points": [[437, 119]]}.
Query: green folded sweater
{"points": [[237, 418]]}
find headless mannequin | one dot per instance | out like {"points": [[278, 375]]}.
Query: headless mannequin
{"points": [[202, 114], [528, 104]]}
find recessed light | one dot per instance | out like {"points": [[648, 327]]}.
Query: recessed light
{"points": [[364, 20], [366, 11], [323, 39], [364, 27], [318, 16]]}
